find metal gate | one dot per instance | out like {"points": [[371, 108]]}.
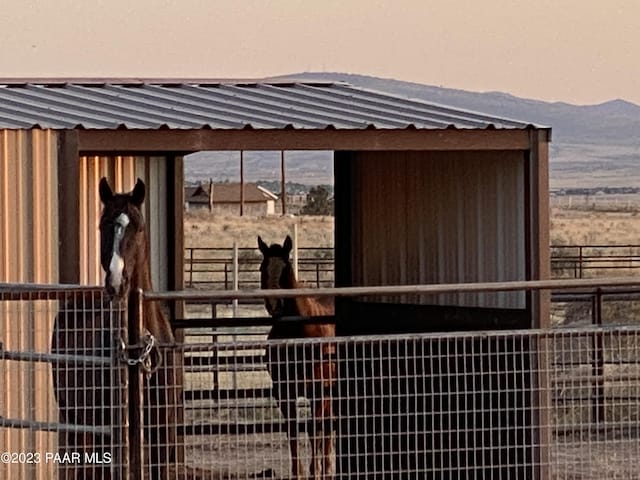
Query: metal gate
{"points": [[63, 405]]}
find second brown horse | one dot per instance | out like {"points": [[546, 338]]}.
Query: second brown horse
{"points": [[300, 372]]}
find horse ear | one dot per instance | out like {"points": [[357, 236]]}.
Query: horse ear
{"points": [[137, 195], [287, 245], [106, 193], [262, 246]]}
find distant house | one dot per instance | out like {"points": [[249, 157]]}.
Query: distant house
{"points": [[258, 201], [295, 201], [196, 197]]}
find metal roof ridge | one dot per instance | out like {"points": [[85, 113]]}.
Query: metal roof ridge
{"points": [[141, 81], [488, 117]]}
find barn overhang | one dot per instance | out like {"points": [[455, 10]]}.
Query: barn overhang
{"points": [[188, 141]]}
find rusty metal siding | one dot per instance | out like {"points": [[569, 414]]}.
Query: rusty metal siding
{"points": [[440, 217], [28, 253]]}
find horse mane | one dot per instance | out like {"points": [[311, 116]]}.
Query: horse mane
{"points": [[308, 306], [155, 319]]}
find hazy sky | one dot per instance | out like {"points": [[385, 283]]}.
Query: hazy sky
{"points": [[579, 51]]}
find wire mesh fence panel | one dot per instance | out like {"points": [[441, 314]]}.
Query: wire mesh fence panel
{"points": [[63, 404], [559, 404]]}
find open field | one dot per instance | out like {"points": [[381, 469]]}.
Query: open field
{"points": [[579, 222], [616, 223], [204, 230]]}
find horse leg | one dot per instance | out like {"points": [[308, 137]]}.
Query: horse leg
{"points": [[316, 436], [159, 406], [297, 468], [329, 454], [323, 455], [324, 374], [289, 412]]}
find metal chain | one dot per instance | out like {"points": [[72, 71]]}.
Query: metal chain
{"points": [[144, 359]]}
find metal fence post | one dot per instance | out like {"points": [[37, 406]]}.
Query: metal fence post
{"points": [[598, 409], [580, 262], [191, 267], [122, 434], [136, 394], [236, 275], [294, 256]]}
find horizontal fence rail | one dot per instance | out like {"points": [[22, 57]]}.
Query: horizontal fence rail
{"points": [[213, 268], [209, 268], [582, 261], [433, 289]]}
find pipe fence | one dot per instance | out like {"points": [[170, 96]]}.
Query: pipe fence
{"points": [[213, 268]]}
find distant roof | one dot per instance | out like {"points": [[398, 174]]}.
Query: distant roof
{"points": [[228, 193], [174, 104]]}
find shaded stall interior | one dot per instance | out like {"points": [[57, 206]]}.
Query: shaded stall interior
{"points": [[415, 218]]}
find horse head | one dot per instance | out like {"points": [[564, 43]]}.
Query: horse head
{"points": [[276, 272], [122, 238]]}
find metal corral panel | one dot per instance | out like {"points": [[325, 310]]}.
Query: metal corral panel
{"points": [[136, 105], [440, 217], [122, 173], [28, 253]]}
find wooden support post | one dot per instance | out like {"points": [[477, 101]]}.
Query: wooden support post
{"points": [[236, 273], [283, 189], [241, 183], [69, 206], [295, 250], [211, 195]]}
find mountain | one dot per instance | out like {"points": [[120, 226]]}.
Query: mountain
{"points": [[617, 120], [592, 145]]}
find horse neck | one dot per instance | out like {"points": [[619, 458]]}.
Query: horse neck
{"points": [[154, 319], [141, 277], [310, 307]]}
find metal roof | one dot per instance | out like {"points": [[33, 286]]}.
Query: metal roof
{"points": [[148, 105]]}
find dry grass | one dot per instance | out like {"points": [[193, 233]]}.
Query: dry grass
{"points": [[568, 226], [204, 230], [603, 227]]}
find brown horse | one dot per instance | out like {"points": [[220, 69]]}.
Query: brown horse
{"points": [[86, 326], [299, 372]]}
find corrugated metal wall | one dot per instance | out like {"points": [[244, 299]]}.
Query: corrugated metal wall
{"points": [[122, 172], [440, 217], [28, 206], [28, 253]]}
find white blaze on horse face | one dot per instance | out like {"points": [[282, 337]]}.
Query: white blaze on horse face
{"points": [[116, 267]]}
